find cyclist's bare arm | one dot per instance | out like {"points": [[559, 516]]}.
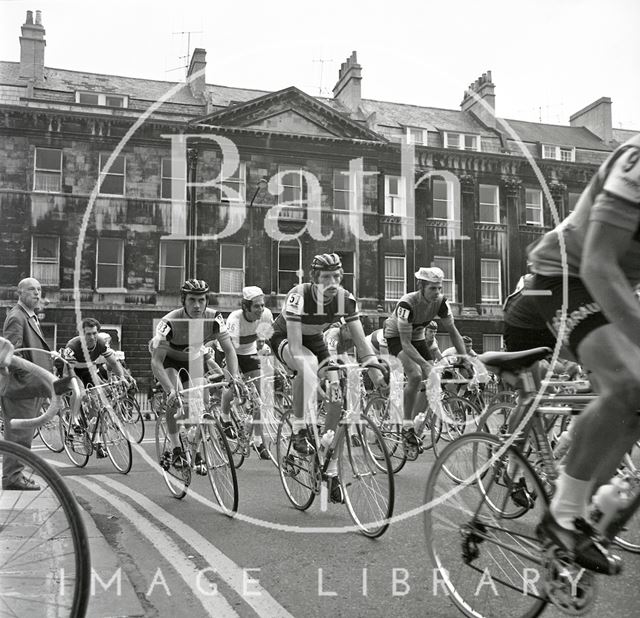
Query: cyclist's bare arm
{"points": [[294, 337], [157, 367], [229, 353], [115, 366], [456, 337], [406, 330], [602, 275], [365, 351]]}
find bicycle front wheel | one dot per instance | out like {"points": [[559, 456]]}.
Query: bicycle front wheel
{"points": [[220, 468], [487, 563], [128, 411], [176, 479], [50, 434], [368, 485], [457, 416], [378, 411], [75, 439], [116, 443], [45, 569]]}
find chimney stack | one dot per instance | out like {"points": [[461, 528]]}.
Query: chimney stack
{"points": [[32, 45], [597, 118], [198, 62], [348, 87], [484, 89]]}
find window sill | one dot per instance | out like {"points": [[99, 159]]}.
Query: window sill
{"points": [[111, 290]]}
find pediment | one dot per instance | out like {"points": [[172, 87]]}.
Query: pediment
{"points": [[290, 111]]}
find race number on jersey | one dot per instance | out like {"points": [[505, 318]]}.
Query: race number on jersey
{"points": [[294, 304], [624, 178], [163, 329], [403, 313]]}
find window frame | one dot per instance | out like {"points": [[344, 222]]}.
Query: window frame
{"points": [[409, 135], [449, 187], [102, 98], [43, 280], [461, 145], [529, 206], [348, 191], [483, 280], [452, 270], [558, 151], [401, 197], [403, 259], [242, 269], [171, 178], [485, 339], [120, 265], [301, 203], [36, 170], [239, 183], [103, 175], [495, 205], [162, 267], [298, 272], [352, 274]]}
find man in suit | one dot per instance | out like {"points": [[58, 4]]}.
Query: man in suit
{"points": [[22, 329]]}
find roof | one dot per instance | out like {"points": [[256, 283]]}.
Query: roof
{"points": [[557, 135], [622, 135]]}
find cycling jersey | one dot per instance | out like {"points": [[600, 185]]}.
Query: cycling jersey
{"points": [[418, 311], [244, 334], [338, 339], [183, 337], [74, 353], [612, 197], [377, 340]]}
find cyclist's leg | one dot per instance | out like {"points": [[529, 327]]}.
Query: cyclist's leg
{"points": [[172, 427], [413, 374]]}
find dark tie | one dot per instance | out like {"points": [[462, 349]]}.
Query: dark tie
{"points": [[34, 317]]}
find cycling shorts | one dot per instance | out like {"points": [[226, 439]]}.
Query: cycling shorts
{"points": [[395, 347], [313, 343], [248, 362]]}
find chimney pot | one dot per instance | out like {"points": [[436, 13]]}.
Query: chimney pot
{"points": [[347, 89], [489, 75], [39, 18], [29, 17]]}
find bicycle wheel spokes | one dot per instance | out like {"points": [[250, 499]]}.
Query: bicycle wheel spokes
{"points": [[491, 566], [458, 415], [177, 480], [75, 439], [116, 443], [128, 410], [368, 489], [270, 418], [378, 411], [44, 553], [297, 472], [220, 468]]}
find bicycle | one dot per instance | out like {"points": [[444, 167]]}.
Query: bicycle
{"points": [[128, 411], [200, 433], [96, 417], [45, 566], [483, 500], [367, 485]]}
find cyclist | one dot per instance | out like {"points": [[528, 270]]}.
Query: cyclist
{"points": [[179, 344], [338, 339], [248, 326], [101, 356], [404, 331], [600, 324], [298, 342], [377, 341]]}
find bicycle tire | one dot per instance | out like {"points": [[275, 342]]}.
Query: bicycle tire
{"points": [[220, 468], [234, 434], [377, 410], [49, 433], [270, 418], [37, 528], [369, 491], [298, 472], [76, 441], [116, 442], [466, 539], [460, 414], [128, 410], [177, 481]]}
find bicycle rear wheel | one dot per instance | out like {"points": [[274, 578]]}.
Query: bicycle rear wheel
{"points": [[234, 432], [490, 566], [131, 417], [270, 418], [177, 480], [75, 439], [116, 443], [377, 410], [368, 488], [297, 471], [220, 468], [49, 433], [45, 568], [457, 416]]}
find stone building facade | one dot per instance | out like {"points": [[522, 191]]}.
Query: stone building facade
{"points": [[95, 200]]}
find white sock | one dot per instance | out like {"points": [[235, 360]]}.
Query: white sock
{"points": [[297, 424], [257, 440], [571, 500]]}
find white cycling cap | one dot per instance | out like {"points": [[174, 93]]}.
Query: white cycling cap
{"points": [[432, 274], [251, 292]]}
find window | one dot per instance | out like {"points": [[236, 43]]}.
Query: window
{"points": [[442, 200], [447, 264], [492, 343], [100, 98], [112, 182], [115, 332], [462, 141], [416, 136], [489, 208], [168, 175], [47, 171], [49, 331], [45, 259], [348, 280], [231, 269], [395, 285], [110, 263], [444, 340], [293, 190], [289, 265], [490, 281], [559, 153], [171, 272], [238, 183], [533, 206], [394, 196], [573, 201], [341, 190]]}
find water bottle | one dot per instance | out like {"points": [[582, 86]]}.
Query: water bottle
{"points": [[417, 422], [327, 439], [607, 502]]}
